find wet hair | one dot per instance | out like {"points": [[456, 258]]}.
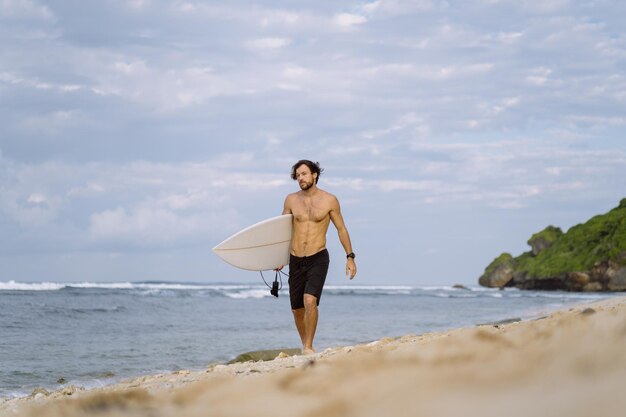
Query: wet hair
{"points": [[313, 166]]}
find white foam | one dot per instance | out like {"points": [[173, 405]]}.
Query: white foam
{"points": [[369, 287], [456, 289], [495, 295], [253, 293], [112, 285], [10, 395], [486, 289], [233, 291], [435, 288], [53, 286], [30, 286]]}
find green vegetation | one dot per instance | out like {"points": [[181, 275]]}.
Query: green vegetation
{"points": [[505, 258], [264, 355], [602, 238], [550, 234]]}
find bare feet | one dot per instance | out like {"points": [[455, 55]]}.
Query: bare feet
{"points": [[308, 351]]}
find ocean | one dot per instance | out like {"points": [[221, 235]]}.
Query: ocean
{"points": [[93, 334]]}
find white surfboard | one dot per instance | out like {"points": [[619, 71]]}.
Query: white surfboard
{"points": [[260, 247]]}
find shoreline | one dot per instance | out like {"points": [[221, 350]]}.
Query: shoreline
{"points": [[573, 347], [86, 385]]}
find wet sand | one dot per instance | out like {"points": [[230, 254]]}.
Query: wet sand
{"points": [[570, 363]]}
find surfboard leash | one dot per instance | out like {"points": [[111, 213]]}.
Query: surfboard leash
{"points": [[275, 286]]}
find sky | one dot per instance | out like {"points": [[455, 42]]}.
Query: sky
{"points": [[136, 135]]}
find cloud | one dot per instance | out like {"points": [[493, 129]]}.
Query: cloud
{"points": [[598, 121], [35, 83], [252, 16], [544, 7], [25, 9], [139, 4], [52, 123], [163, 88], [88, 189], [30, 210], [202, 184], [265, 44], [417, 124], [530, 6], [507, 174], [539, 76], [347, 21], [504, 104], [151, 226], [394, 8], [131, 68], [186, 118], [279, 17]]}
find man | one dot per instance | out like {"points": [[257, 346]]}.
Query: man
{"points": [[312, 209]]}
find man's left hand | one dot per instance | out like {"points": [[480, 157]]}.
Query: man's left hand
{"points": [[350, 268]]}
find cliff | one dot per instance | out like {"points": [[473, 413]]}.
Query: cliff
{"points": [[589, 257]]}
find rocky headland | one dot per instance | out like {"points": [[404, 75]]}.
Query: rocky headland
{"points": [[589, 257]]}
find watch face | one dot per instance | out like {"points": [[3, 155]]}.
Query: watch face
{"points": [[351, 255]]}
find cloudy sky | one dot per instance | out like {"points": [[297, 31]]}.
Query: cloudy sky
{"points": [[137, 134]]}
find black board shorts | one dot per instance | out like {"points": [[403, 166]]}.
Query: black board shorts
{"points": [[307, 275]]}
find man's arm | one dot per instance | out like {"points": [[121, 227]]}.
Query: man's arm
{"points": [[286, 210], [287, 206], [344, 236]]}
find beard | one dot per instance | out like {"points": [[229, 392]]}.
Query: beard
{"points": [[306, 185]]}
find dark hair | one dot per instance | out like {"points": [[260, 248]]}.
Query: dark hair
{"points": [[313, 166]]}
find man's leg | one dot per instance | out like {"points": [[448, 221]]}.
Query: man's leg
{"points": [[310, 323], [306, 322], [298, 317]]}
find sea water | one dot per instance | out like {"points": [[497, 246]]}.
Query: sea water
{"points": [[94, 334]]}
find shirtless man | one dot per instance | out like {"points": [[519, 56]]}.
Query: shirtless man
{"points": [[313, 209]]}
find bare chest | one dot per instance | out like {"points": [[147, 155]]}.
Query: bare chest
{"points": [[310, 211]]}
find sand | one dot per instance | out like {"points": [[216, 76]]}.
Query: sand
{"points": [[570, 363]]}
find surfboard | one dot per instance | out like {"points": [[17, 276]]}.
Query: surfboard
{"points": [[260, 247]]}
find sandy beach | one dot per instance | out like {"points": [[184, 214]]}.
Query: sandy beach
{"points": [[569, 363]]}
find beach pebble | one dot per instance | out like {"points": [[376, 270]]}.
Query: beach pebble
{"points": [[39, 392], [212, 366], [587, 311], [282, 355], [70, 389], [182, 372]]}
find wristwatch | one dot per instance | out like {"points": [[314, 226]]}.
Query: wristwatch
{"points": [[351, 255]]}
